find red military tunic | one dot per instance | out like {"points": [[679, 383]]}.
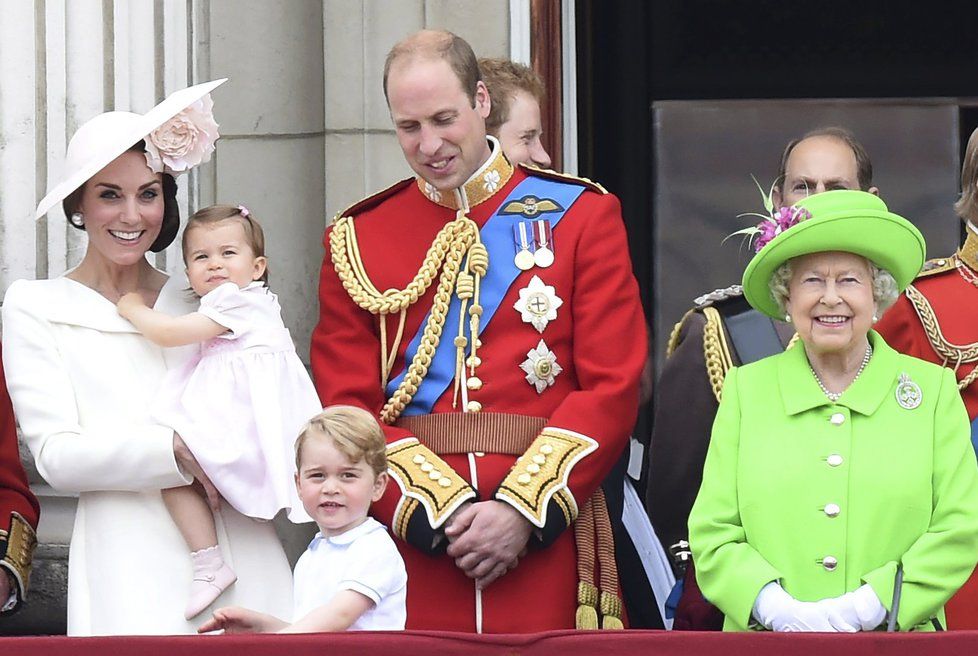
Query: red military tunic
{"points": [[585, 416], [18, 506], [937, 320]]}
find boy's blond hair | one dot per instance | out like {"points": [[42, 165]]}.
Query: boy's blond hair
{"points": [[354, 431]]}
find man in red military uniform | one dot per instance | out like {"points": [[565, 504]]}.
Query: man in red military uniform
{"points": [[489, 316], [18, 513], [936, 319]]}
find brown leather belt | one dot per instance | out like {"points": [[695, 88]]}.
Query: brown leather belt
{"points": [[471, 432]]}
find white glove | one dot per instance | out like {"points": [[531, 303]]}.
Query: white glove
{"points": [[859, 610], [779, 611]]}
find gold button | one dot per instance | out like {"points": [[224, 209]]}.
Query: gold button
{"points": [[434, 474], [830, 563], [834, 460], [533, 468], [427, 466], [418, 459], [837, 419], [473, 361], [474, 406], [474, 383], [832, 509], [444, 481], [539, 459], [523, 479], [546, 449], [543, 368]]}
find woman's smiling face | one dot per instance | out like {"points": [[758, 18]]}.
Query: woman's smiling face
{"points": [[830, 300], [122, 207]]}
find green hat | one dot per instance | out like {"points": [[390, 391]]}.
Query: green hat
{"points": [[842, 220]]}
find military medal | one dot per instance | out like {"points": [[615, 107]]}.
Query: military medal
{"points": [[908, 393], [524, 258], [543, 255], [541, 367], [538, 304]]}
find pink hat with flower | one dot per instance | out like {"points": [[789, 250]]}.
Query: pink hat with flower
{"points": [[179, 134]]}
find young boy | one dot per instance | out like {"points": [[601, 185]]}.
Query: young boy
{"points": [[351, 577]]}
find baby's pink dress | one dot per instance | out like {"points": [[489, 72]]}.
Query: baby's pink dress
{"points": [[240, 404]]}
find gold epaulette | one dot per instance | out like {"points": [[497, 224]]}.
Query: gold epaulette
{"points": [[699, 303], [550, 174], [374, 199], [424, 479], [17, 551], [541, 474], [935, 266]]}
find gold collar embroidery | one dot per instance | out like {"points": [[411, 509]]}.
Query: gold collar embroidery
{"points": [[968, 253], [480, 187]]}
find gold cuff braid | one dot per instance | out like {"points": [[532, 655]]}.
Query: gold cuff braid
{"points": [[542, 472], [17, 550], [427, 479]]}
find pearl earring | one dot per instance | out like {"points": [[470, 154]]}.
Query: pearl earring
{"points": [[875, 318], [787, 318], [77, 220]]}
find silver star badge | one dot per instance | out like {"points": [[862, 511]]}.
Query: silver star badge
{"points": [[541, 367], [538, 304]]}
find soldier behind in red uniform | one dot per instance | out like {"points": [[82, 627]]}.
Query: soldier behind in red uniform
{"points": [[489, 316], [18, 513], [936, 319]]}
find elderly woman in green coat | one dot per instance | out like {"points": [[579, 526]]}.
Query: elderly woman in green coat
{"points": [[840, 483]]}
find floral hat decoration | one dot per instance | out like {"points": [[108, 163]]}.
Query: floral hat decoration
{"points": [[179, 134], [841, 220]]}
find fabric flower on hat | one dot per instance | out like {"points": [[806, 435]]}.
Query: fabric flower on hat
{"points": [[184, 141], [774, 222]]}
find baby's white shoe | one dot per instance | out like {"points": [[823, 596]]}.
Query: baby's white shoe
{"points": [[211, 577]]}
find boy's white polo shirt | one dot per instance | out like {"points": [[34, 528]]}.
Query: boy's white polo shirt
{"points": [[363, 559]]}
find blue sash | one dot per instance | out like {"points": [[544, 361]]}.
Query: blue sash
{"points": [[497, 235]]}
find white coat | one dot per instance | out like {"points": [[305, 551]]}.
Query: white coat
{"points": [[82, 381]]}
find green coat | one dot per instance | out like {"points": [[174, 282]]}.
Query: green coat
{"points": [[905, 483]]}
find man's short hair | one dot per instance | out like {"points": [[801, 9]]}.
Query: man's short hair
{"points": [[353, 431], [864, 166], [504, 78], [967, 205], [438, 44]]}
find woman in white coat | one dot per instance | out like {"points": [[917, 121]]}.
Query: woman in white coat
{"points": [[82, 381]]}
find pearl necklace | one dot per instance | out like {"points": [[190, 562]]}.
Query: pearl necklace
{"points": [[834, 396]]}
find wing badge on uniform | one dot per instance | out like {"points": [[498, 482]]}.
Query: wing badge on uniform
{"points": [[531, 206]]}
